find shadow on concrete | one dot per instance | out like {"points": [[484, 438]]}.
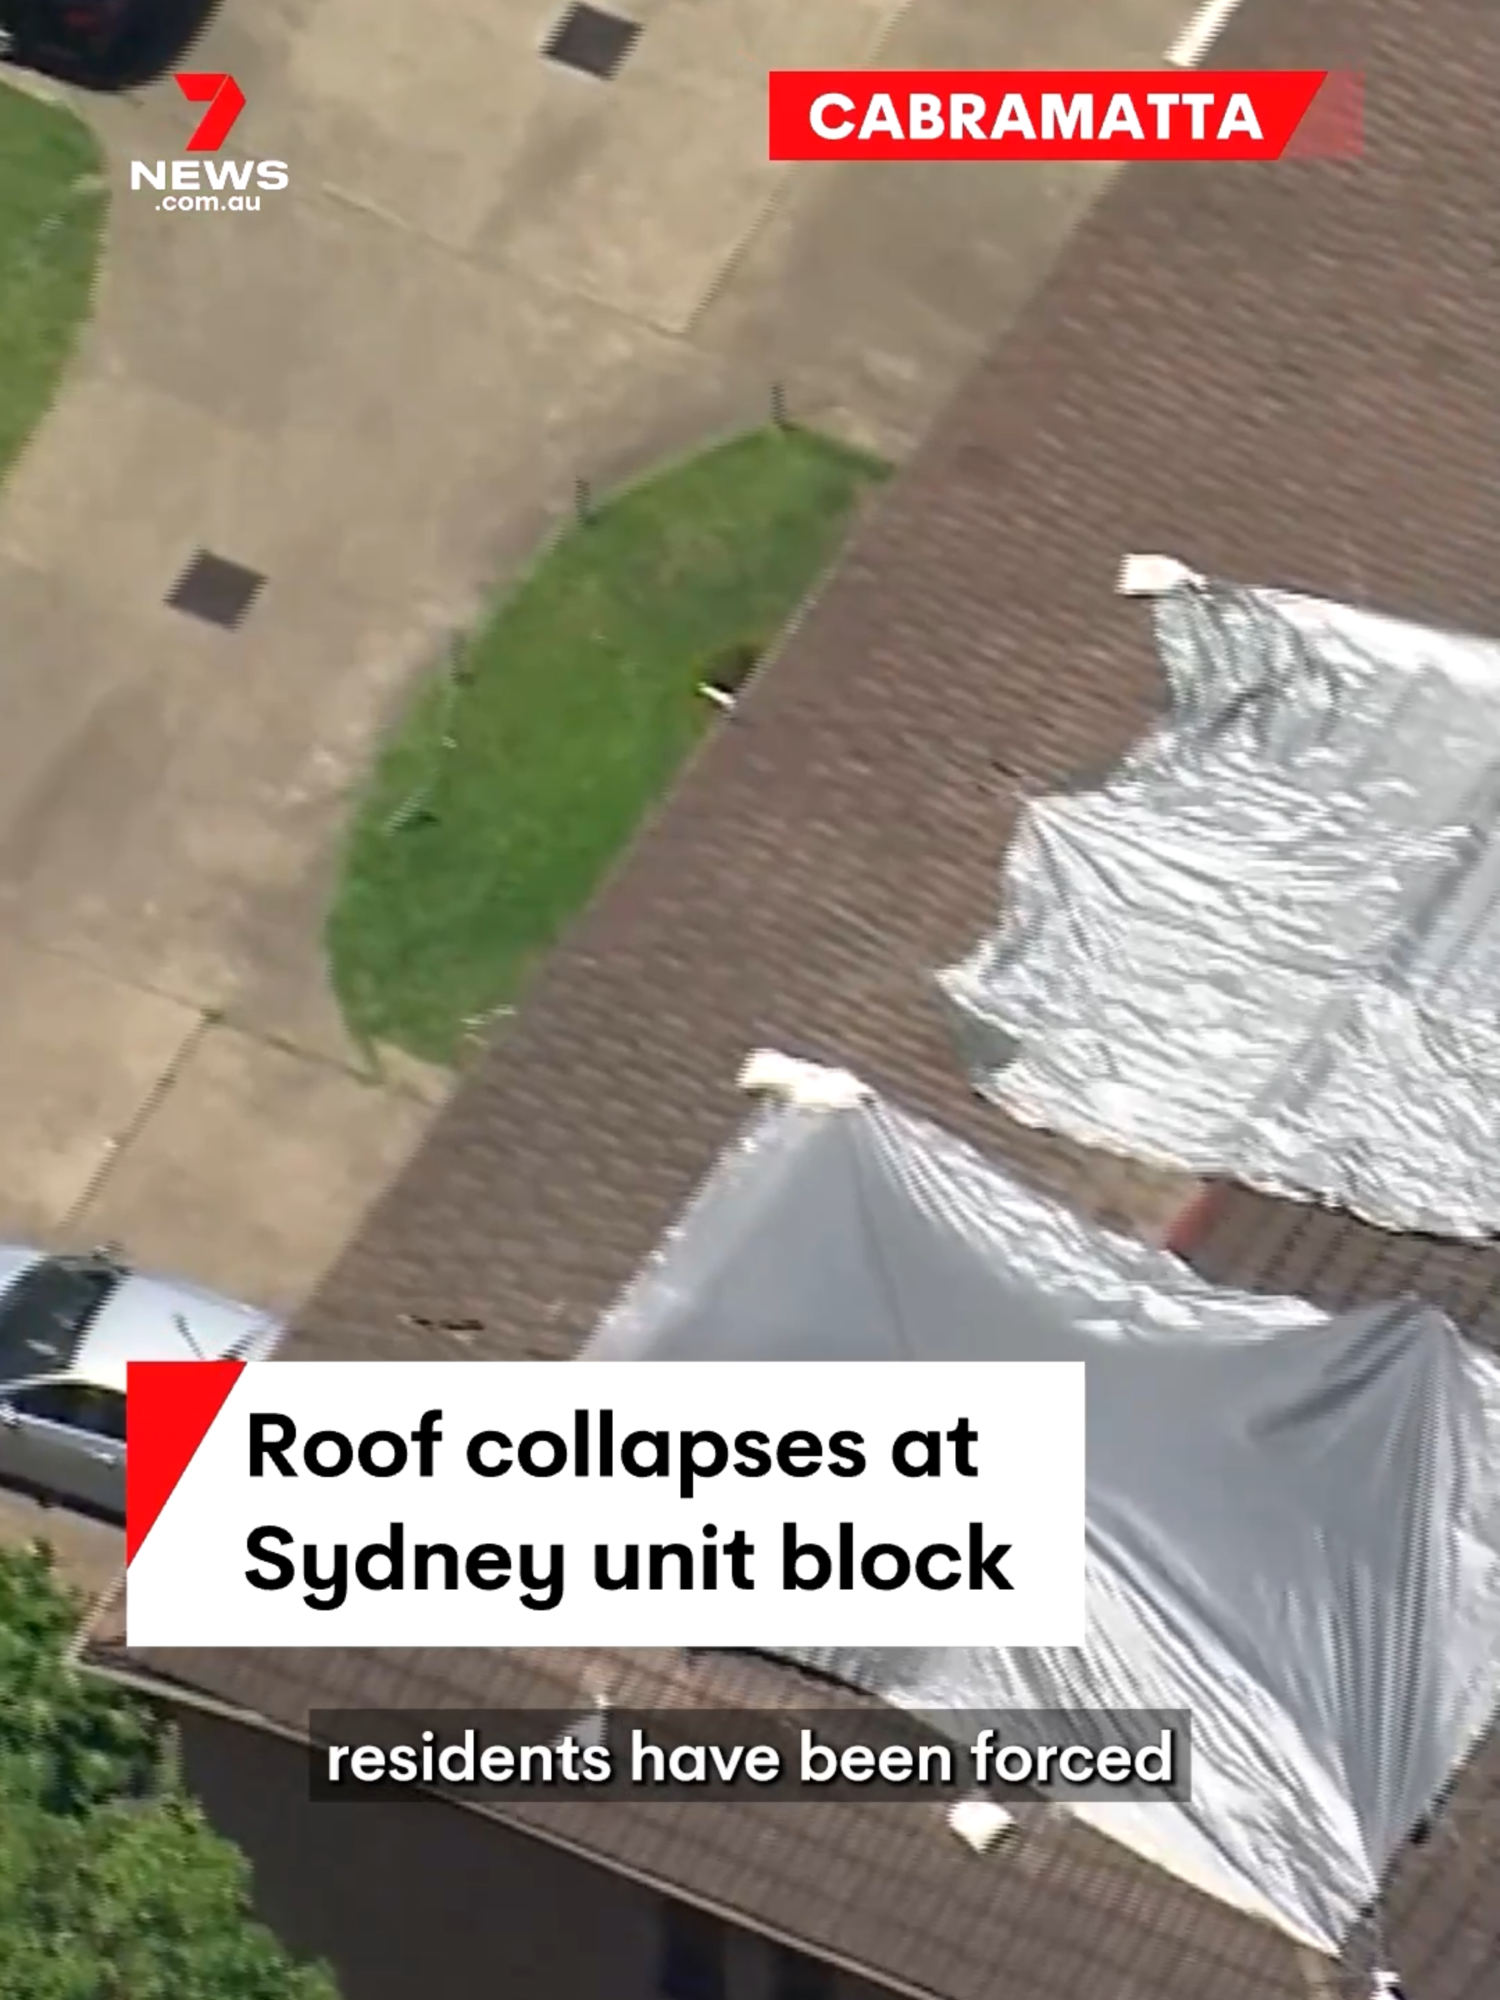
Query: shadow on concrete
{"points": [[49, 1504], [149, 40]]}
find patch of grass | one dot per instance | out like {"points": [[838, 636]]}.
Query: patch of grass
{"points": [[571, 710], [52, 203]]}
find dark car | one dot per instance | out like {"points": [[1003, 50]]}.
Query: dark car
{"points": [[78, 36]]}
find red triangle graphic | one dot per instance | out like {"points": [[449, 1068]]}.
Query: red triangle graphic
{"points": [[1333, 126], [169, 1406]]}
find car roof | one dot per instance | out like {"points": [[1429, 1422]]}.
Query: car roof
{"points": [[150, 1318], [160, 1319]]}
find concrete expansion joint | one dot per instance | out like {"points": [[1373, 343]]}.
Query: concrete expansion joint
{"points": [[119, 1143]]}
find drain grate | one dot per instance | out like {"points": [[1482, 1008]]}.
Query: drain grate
{"points": [[592, 40], [216, 590]]}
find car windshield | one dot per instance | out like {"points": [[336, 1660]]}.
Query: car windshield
{"points": [[47, 1311]]}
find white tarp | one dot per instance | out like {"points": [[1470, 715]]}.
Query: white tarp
{"points": [[1269, 947], [1293, 1520]]}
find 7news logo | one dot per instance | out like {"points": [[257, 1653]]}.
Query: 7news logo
{"points": [[199, 184]]}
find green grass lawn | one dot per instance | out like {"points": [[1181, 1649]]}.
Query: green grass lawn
{"points": [[574, 705], [52, 202]]}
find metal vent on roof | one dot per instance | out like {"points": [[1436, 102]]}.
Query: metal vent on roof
{"points": [[215, 590], [593, 40]]}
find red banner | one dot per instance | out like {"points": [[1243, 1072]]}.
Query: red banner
{"points": [[1062, 114]]}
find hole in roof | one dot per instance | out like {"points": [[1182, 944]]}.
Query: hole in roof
{"points": [[592, 40]]}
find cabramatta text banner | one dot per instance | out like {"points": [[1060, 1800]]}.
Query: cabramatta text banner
{"points": [[1064, 114], [723, 1504]]}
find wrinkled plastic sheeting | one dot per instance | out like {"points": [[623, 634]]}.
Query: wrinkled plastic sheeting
{"points": [[1268, 948], [1293, 1520]]}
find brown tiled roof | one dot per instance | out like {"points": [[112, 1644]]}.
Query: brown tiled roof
{"points": [[1442, 1909], [1286, 375], [885, 1889]]}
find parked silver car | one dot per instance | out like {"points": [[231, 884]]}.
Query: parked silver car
{"points": [[68, 1326]]}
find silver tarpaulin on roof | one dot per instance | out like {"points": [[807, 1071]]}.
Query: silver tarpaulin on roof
{"points": [[1293, 1520], [1269, 946]]}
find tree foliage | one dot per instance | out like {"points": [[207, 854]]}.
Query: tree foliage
{"points": [[79, 1740], [112, 1884]]}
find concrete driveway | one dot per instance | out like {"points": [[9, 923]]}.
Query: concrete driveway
{"points": [[489, 276]]}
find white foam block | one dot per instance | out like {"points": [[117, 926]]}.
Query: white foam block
{"points": [[980, 1823], [1153, 576], [809, 1086]]}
